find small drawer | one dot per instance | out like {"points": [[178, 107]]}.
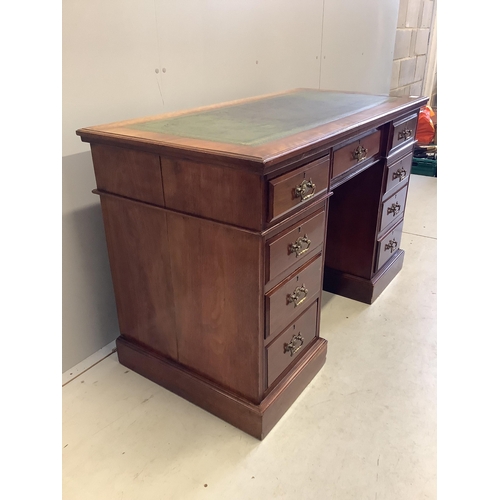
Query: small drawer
{"points": [[287, 300], [298, 187], [290, 344], [404, 131], [398, 172], [294, 244], [388, 245], [355, 152], [393, 207]]}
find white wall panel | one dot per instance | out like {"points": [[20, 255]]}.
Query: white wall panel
{"points": [[217, 50], [110, 52], [358, 45]]}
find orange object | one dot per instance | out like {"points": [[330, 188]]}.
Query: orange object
{"points": [[426, 129]]}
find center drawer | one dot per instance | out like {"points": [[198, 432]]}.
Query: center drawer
{"points": [[290, 345], [355, 152], [287, 300], [294, 244]]}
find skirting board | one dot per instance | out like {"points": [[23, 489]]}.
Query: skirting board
{"points": [[89, 362]]}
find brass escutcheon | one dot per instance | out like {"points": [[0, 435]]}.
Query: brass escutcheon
{"points": [[394, 209], [392, 245], [300, 246], [405, 133], [305, 190], [359, 153], [400, 174], [298, 296], [293, 346]]}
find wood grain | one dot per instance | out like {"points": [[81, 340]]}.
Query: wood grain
{"points": [[189, 289], [397, 170], [129, 173], [393, 208], [352, 223], [261, 158], [278, 358], [214, 192], [280, 311], [362, 289], [282, 189], [280, 255], [343, 158]]}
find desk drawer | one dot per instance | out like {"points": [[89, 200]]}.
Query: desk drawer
{"points": [[404, 131], [393, 207], [294, 244], [290, 344], [388, 245], [398, 172], [355, 152], [298, 187], [287, 300]]}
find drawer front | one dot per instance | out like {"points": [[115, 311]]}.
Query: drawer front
{"points": [[295, 244], [404, 131], [298, 187], [398, 172], [287, 300], [355, 152], [290, 344], [393, 207], [388, 245]]}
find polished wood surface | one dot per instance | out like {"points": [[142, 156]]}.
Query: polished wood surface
{"points": [[405, 130], [283, 190], [393, 208], [129, 173], [291, 343], [352, 223], [165, 266], [280, 307], [398, 172], [295, 244], [363, 289], [223, 224], [259, 158], [208, 190], [345, 158], [388, 245]]}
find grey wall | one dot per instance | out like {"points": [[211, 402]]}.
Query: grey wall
{"points": [[128, 58]]}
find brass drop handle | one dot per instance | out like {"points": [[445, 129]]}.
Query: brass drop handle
{"points": [[400, 174], [305, 190], [295, 344], [359, 153], [394, 209], [405, 133], [300, 246], [298, 296], [392, 245]]}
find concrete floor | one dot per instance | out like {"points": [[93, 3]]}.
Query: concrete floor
{"points": [[365, 428]]}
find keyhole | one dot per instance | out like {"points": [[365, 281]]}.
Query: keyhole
{"points": [[299, 229], [294, 327], [297, 278]]}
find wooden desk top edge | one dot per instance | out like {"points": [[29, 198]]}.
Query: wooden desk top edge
{"points": [[256, 158]]}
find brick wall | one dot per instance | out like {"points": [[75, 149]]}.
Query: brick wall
{"points": [[411, 48]]}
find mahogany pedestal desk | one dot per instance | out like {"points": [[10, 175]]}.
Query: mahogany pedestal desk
{"points": [[223, 225]]}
